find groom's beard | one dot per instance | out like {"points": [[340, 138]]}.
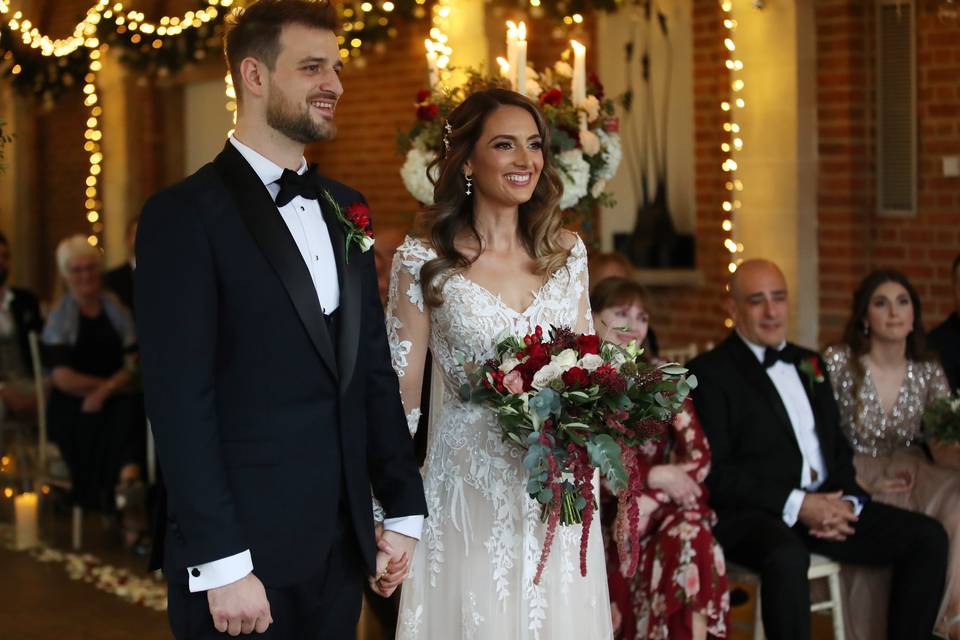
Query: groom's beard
{"points": [[296, 124]]}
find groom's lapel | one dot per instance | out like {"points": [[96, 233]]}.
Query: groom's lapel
{"points": [[260, 215], [349, 277]]}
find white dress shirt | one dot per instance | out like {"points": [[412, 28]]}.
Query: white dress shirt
{"points": [[305, 222], [813, 471]]}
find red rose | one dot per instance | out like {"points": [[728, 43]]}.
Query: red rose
{"points": [[497, 384], [554, 97], [587, 345], [423, 95], [576, 377], [359, 214], [816, 367], [427, 112]]}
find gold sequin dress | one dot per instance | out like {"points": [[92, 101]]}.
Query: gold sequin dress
{"points": [[885, 445]]}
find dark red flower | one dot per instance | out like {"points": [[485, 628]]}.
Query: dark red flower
{"points": [[593, 81], [359, 214], [608, 378], [612, 125], [497, 384], [815, 363], [423, 95], [587, 345], [553, 96], [427, 112], [576, 377]]}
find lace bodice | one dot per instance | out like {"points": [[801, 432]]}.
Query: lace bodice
{"points": [[869, 429], [473, 319], [472, 574]]}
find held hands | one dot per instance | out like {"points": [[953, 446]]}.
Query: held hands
{"points": [[393, 561], [828, 516], [93, 401], [901, 482], [240, 607], [673, 480]]}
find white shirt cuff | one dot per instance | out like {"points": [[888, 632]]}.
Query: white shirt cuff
{"points": [[856, 502], [220, 573], [410, 526], [791, 508]]}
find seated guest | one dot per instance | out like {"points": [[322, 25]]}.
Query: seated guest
{"points": [[945, 339], [612, 264], [883, 380], [783, 481], [119, 280], [19, 315], [86, 341], [679, 590]]}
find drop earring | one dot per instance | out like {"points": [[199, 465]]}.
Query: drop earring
{"points": [[469, 184]]}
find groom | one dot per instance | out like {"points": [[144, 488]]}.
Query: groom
{"points": [[266, 365]]}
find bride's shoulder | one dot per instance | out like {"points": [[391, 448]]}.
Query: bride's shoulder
{"points": [[571, 243], [416, 247]]}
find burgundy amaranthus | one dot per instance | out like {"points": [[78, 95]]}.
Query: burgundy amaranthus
{"points": [[554, 521]]}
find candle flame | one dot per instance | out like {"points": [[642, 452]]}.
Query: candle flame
{"points": [[504, 66], [578, 48], [522, 32]]}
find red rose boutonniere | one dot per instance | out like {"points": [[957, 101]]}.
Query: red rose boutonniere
{"points": [[356, 224], [810, 367]]}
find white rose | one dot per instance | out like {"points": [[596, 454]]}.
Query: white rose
{"points": [[546, 375], [598, 188], [565, 359], [589, 142], [366, 243], [591, 105], [563, 69], [533, 88], [509, 365], [590, 362]]}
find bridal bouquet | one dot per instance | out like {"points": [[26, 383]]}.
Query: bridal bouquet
{"points": [[941, 420], [575, 405], [587, 158]]}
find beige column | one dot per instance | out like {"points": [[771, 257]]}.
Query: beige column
{"points": [[114, 191], [778, 218]]}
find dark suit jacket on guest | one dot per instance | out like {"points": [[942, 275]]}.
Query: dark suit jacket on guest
{"points": [[120, 281], [25, 310], [945, 339], [756, 457], [267, 426]]}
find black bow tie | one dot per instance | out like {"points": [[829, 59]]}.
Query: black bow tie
{"points": [[772, 356], [292, 184]]}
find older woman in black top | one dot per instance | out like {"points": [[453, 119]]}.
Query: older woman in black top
{"points": [[94, 419]]}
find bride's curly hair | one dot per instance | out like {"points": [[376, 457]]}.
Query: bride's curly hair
{"points": [[452, 212]]}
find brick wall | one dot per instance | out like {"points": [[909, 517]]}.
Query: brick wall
{"points": [[853, 239]]}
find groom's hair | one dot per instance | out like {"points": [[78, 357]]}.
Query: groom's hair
{"points": [[255, 31]]}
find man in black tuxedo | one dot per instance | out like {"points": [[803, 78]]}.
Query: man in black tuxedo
{"points": [[946, 337], [19, 315], [120, 278], [782, 479], [266, 365]]}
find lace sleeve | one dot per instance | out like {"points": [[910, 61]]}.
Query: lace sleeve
{"points": [[408, 325], [581, 287]]}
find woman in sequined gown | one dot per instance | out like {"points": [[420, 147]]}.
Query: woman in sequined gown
{"points": [[883, 381], [491, 260]]}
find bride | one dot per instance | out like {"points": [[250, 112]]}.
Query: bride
{"points": [[492, 260]]}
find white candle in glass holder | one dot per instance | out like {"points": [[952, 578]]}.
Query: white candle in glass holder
{"points": [[434, 73], [25, 516], [579, 85], [521, 63], [513, 32]]}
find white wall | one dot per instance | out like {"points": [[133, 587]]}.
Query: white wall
{"points": [[614, 31], [206, 122]]}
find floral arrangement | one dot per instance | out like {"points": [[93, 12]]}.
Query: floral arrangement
{"points": [[356, 224], [575, 405], [586, 157], [5, 138], [941, 420]]}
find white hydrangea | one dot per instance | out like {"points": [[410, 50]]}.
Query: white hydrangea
{"points": [[414, 174], [575, 174], [533, 88], [563, 69], [612, 154], [591, 105]]}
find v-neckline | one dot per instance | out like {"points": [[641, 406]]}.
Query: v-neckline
{"points": [[499, 297], [887, 415]]}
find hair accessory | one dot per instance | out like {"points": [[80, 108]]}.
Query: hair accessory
{"points": [[448, 130]]}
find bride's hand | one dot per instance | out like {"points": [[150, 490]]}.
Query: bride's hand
{"points": [[393, 562]]}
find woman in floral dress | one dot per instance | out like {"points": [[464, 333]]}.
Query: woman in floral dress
{"points": [[679, 590]]}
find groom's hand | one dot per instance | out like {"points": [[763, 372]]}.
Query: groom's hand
{"points": [[240, 607], [393, 562]]}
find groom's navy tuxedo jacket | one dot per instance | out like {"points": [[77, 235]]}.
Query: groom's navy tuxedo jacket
{"points": [[756, 460], [267, 425]]}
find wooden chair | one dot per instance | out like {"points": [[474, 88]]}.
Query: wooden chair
{"points": [[820, 567]]}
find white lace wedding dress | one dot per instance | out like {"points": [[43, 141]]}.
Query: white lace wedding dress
{"points": [[472, 574]]}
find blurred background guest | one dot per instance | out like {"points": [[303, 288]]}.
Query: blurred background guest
{"points": [[611, 264], [93, 418], [945, 339], [19, 315], [883, 379], [119, 280], [679, 590]]}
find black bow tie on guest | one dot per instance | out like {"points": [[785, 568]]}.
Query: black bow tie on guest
{"points": [[292, 184], [771, 356]]}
